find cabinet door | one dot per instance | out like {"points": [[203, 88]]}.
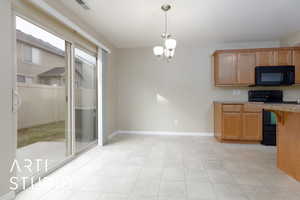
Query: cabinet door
{"points": [[232, 126], [225, 69], [252, 126], [283, 57], [246, 68], [264, 58], [296, 62]]}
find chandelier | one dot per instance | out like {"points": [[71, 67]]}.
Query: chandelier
{"points": [[166, 51]]}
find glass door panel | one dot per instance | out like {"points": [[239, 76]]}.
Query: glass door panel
{"points": [[85, 94], [42, 90]]}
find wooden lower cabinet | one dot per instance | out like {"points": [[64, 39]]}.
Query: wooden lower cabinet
{"points": [[232, 128], [232, 124], [252, 126], [288, 144]]}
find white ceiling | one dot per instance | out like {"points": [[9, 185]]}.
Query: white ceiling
{"points": [[136, 23]]}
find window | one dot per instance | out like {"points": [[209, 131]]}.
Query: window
{"points": [[31, 54], [24, 79], [29, 80], [35, 56], [21, 79], [27, 52]]}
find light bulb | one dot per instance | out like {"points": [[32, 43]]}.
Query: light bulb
{"points": [[170, 44], [169, 54], [158, 51]]}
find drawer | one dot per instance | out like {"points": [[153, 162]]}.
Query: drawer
{"points": [[252, 108], [232, 108]]}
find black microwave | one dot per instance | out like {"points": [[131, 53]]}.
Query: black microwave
{"points": [[274, 75]]}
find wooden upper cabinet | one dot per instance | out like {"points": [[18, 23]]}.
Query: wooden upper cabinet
{"points": [[283, 57], [252, 126], [246, 68], [296, 62], [225, 69], [232, 126], [237, 67], [265, 58]]}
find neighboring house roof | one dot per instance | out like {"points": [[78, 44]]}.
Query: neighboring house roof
{"points": [[54, 72], [31, 40]]}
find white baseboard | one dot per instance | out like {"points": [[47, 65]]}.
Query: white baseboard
{"points": [[162, 133], [113, 135], [8, 196]]}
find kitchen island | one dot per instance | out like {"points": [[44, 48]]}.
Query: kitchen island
{"points": [[288, 136]]}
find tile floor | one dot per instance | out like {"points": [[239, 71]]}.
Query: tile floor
{"points": [[169, 168], [53, 151]]}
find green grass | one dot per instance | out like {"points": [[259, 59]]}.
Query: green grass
{"points": [[46, 132]]}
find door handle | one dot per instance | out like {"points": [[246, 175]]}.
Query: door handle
{"points": [[17, 101]]}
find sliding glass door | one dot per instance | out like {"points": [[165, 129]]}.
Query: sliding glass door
{"points": [[85, 94], [56, 95], [42, 92]]}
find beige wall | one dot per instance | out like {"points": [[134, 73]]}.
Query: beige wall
{"points": [[157, 96], [292, 39], [7, 141]]}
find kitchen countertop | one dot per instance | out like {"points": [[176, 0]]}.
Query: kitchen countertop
{"points": [[267, 106], [231, 102], [278, 106]]}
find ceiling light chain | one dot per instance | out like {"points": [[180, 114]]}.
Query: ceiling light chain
{"points": [[166, 23], [166, 51]]}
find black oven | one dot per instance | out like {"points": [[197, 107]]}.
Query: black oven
{"points": [[269, 118], [274, 75]]}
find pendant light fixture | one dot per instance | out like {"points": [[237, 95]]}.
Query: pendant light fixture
{"points": [[167, 50]]}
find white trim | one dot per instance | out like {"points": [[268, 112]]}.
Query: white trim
{"points": [[100, 98], [51, 11], [208, 134], [9, 196]]}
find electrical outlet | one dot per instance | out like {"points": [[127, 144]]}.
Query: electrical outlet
{"points": [[236, 92]]}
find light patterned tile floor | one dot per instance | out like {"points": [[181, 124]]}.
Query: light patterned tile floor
{"points": [[169, 167]]}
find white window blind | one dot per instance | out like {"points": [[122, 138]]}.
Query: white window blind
{"points": [[35, 56], [31, 54], [27, 52]]}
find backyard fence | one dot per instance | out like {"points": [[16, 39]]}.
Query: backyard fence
{"points": [[42, 104]]}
